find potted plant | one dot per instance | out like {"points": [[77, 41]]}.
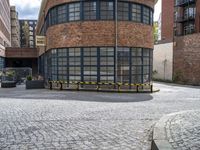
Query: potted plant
{"points": [[8, 79], [34, 84], [29, 78]]}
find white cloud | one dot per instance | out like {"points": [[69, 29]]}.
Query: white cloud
{"points": [[27, 9]]}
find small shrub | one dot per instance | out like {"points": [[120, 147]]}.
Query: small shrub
{"points": [[29, 78], [177, 77], [10, 74]]}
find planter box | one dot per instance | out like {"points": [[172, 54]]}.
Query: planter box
{"points": [[38, 84], [8, 84]]}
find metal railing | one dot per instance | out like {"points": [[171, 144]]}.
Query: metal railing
{"points": [[185, 18], [184, 2]]}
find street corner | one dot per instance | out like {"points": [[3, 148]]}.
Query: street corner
{"points": [[179, 130]]}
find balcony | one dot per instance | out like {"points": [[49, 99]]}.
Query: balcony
{"points": [[185, 18], [183, 3]]}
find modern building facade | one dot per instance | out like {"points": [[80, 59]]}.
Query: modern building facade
{"points": [[98, 41], [15, 28], [27, 33], [5, 32]]}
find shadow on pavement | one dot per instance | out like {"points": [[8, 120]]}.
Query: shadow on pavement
{"points": [[45, 94]]}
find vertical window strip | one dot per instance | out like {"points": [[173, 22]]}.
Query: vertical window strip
{"points": [[74, 11], [136, 12]]}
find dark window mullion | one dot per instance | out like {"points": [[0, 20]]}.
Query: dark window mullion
{"points": [[82, 11], [142, 76], [82, 64], [130, 66], [98, 65], [98, 9], [130, 11], [142, 13]]}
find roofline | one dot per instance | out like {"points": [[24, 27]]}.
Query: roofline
{"points": [[43, 4]]}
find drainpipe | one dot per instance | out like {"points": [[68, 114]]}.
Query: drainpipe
{"points": [[116, 39]]}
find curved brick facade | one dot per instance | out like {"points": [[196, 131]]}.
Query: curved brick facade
{"points": [[53, 3], [99, 33], [49, 4], [96, 33], [84, 42]]}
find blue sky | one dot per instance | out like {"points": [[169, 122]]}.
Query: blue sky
{"points": [[28, 9]]}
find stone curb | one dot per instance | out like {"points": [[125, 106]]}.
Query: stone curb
{"points": [[160, 141], [108, 91]]}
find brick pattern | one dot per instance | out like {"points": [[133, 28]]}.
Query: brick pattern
{"points": [[197, 23], [167, 20], [99, 33], [187, 59], [21, 52]]}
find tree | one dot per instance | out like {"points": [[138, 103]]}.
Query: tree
{"points": [[155, 28]]}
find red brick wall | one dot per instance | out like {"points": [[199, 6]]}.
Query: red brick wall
{"points": [[99, 33], [167, 20], [187, 59], [197, 22]]}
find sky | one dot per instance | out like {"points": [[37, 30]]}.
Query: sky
{"points": [[29, 9]]}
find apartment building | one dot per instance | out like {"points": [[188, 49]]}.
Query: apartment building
{"points": [[27, 33], [15, 28], [5, 31], [178, 52], [187, 41]]}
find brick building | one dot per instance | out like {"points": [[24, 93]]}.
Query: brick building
{"points": [[180, 39], [5, 32], [187, 41], [167, 24], [95, 41]]}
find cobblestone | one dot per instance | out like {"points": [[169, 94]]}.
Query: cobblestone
{"points": [[183, 130], [43, 119]]}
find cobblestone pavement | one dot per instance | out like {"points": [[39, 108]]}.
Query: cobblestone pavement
{"points": [[183, 130], [43, 119]]}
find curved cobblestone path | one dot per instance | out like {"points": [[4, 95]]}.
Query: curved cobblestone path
{"points": [[42, 119], [183, 130]]}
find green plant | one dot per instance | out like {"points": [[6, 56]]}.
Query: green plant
{"points": [[177, 76], [155, 72], [10, 73], [29, 78]]}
